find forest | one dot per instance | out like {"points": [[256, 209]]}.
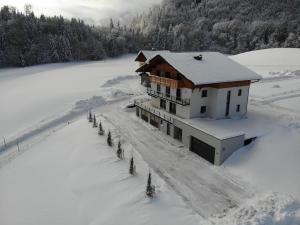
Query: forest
{"points": [[231, 26]]}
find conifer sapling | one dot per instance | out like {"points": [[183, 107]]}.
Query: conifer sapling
{"points": [[95, 121], [90, 117], [109, 141], [150, 189], [120, 151], [101, 131], [132, 168]]}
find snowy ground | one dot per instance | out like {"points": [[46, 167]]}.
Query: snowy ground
{"points": [[65, 174]]}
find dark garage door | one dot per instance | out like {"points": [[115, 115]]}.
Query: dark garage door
{"points": [[204, 150]]}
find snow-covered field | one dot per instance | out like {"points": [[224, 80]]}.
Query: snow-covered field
{"points": [[64, 173]]}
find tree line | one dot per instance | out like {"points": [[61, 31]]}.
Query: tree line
{"points": [[26, 39], [231, 26]]}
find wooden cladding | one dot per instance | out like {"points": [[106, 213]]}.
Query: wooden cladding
{"points": [[165, 81]]}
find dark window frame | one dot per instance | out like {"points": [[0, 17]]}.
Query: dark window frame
{"points": [[163, 103], [203, 109], [178, 94], [172, 109], [158, 88], [240, 92], [167, 75], [168, 93]]}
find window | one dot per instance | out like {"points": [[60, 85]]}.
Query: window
{"points": [[163, 104], [178, 94], [168, 129], [203, 109], [204, 93], [167, 74], [172, 108], [240, 92], [168, 91], [178, 76], [238, 108], [157, 72], [158, 89]]}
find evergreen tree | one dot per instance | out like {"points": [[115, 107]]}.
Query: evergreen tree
{"points": [[150, 189], [101, 131], [90, 118], [120, 151], [132, 168], [95, 121], [109, 140]]}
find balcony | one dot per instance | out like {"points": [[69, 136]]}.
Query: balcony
{"points": [[145, 105], [166, 81], [174, 99]]}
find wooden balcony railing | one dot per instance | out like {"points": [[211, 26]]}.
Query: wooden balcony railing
{"points": [[165, 81], [174, 99]]}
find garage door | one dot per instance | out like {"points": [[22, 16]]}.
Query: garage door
{"points": [[204, 150]]}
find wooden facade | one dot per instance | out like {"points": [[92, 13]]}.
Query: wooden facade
{"points": [[165, 74]]}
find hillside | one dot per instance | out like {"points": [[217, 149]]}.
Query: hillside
{"points": [[231, 26]]}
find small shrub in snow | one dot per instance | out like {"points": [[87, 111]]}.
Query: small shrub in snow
{"points": [[120, 151], [109, 140], [132, 168], [95, 122], [101, 131], [90, 118], [150, 189]]}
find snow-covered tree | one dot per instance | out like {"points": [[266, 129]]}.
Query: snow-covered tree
{"points": [[150, 189], [120, 151], [109, 140], [132, 167], [95, 122], [101, 130], [90, 117]]}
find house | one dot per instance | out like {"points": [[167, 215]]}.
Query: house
{"points": [[141, 58], [190, 94]]}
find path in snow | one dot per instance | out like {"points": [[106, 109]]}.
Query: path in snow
{"points": [[206, 188]]}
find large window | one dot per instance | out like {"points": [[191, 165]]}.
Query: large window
{"points": [[162, 104], [172, 108], [168, 92], [158, 89]]}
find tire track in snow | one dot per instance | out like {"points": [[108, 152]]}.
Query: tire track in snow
{"points": [[199, 184]]}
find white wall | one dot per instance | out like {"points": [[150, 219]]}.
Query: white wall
{"points": [[215, 102]]}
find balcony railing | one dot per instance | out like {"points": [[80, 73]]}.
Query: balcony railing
{"points": [[170, 98], [143, 105], [165, 81]]}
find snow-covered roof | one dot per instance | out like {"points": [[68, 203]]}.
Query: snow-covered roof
{"points": [[213, 68], [222, 129], [149, 53]]}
